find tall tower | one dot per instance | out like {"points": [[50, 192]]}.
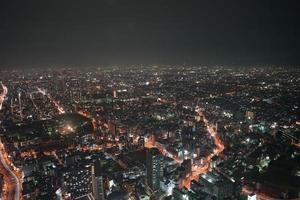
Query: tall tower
{"points": [[181, 144], [115, 94], [97, 182], [154, 168], [20, 104]]}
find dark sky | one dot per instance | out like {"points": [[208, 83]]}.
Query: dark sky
{"points": [[65, 33]]}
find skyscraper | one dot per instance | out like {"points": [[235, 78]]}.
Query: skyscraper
{"points": [[217, 185], [154, 168], [97, 180]]}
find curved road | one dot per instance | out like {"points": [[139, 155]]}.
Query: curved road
{"points": [[198, 169], [11, 181]]}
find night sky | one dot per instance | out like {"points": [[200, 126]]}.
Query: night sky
{"points": [[45, 33]]}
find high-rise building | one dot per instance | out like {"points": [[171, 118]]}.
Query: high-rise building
{"points": [[187, 165], [154, 168], [217, 185], [77, 180], [115, 94], [112, 126], [97, 179]]}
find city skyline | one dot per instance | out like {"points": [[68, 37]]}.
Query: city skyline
{"points": [[150, 132]]}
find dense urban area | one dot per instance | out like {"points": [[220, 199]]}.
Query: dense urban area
{"points": [[150, 132]]}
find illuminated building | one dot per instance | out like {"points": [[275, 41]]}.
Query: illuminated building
{"points": [[181, 194], [144, 197], [77, 180], [154, 168], [167, 187], [115, 94], [217, 185], [97, 181], [252, 197], [187, 165]]}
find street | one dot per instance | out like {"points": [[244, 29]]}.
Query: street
{"points": [[12, 184]]}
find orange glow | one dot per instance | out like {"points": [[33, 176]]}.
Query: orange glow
{"points": [[150, 143], [12, 176], [259, 195], [29, 153], [296, 145], [202, 169], [87, 115], [106, 125]]}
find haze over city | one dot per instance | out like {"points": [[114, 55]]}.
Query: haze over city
{"points": [[114, 32]]}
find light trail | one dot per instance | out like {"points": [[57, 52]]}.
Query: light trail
{"points": [[151, 144], [32, 101], [203, 168], [3, 95], [12, 183], [11, 180], [56, 104]]}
